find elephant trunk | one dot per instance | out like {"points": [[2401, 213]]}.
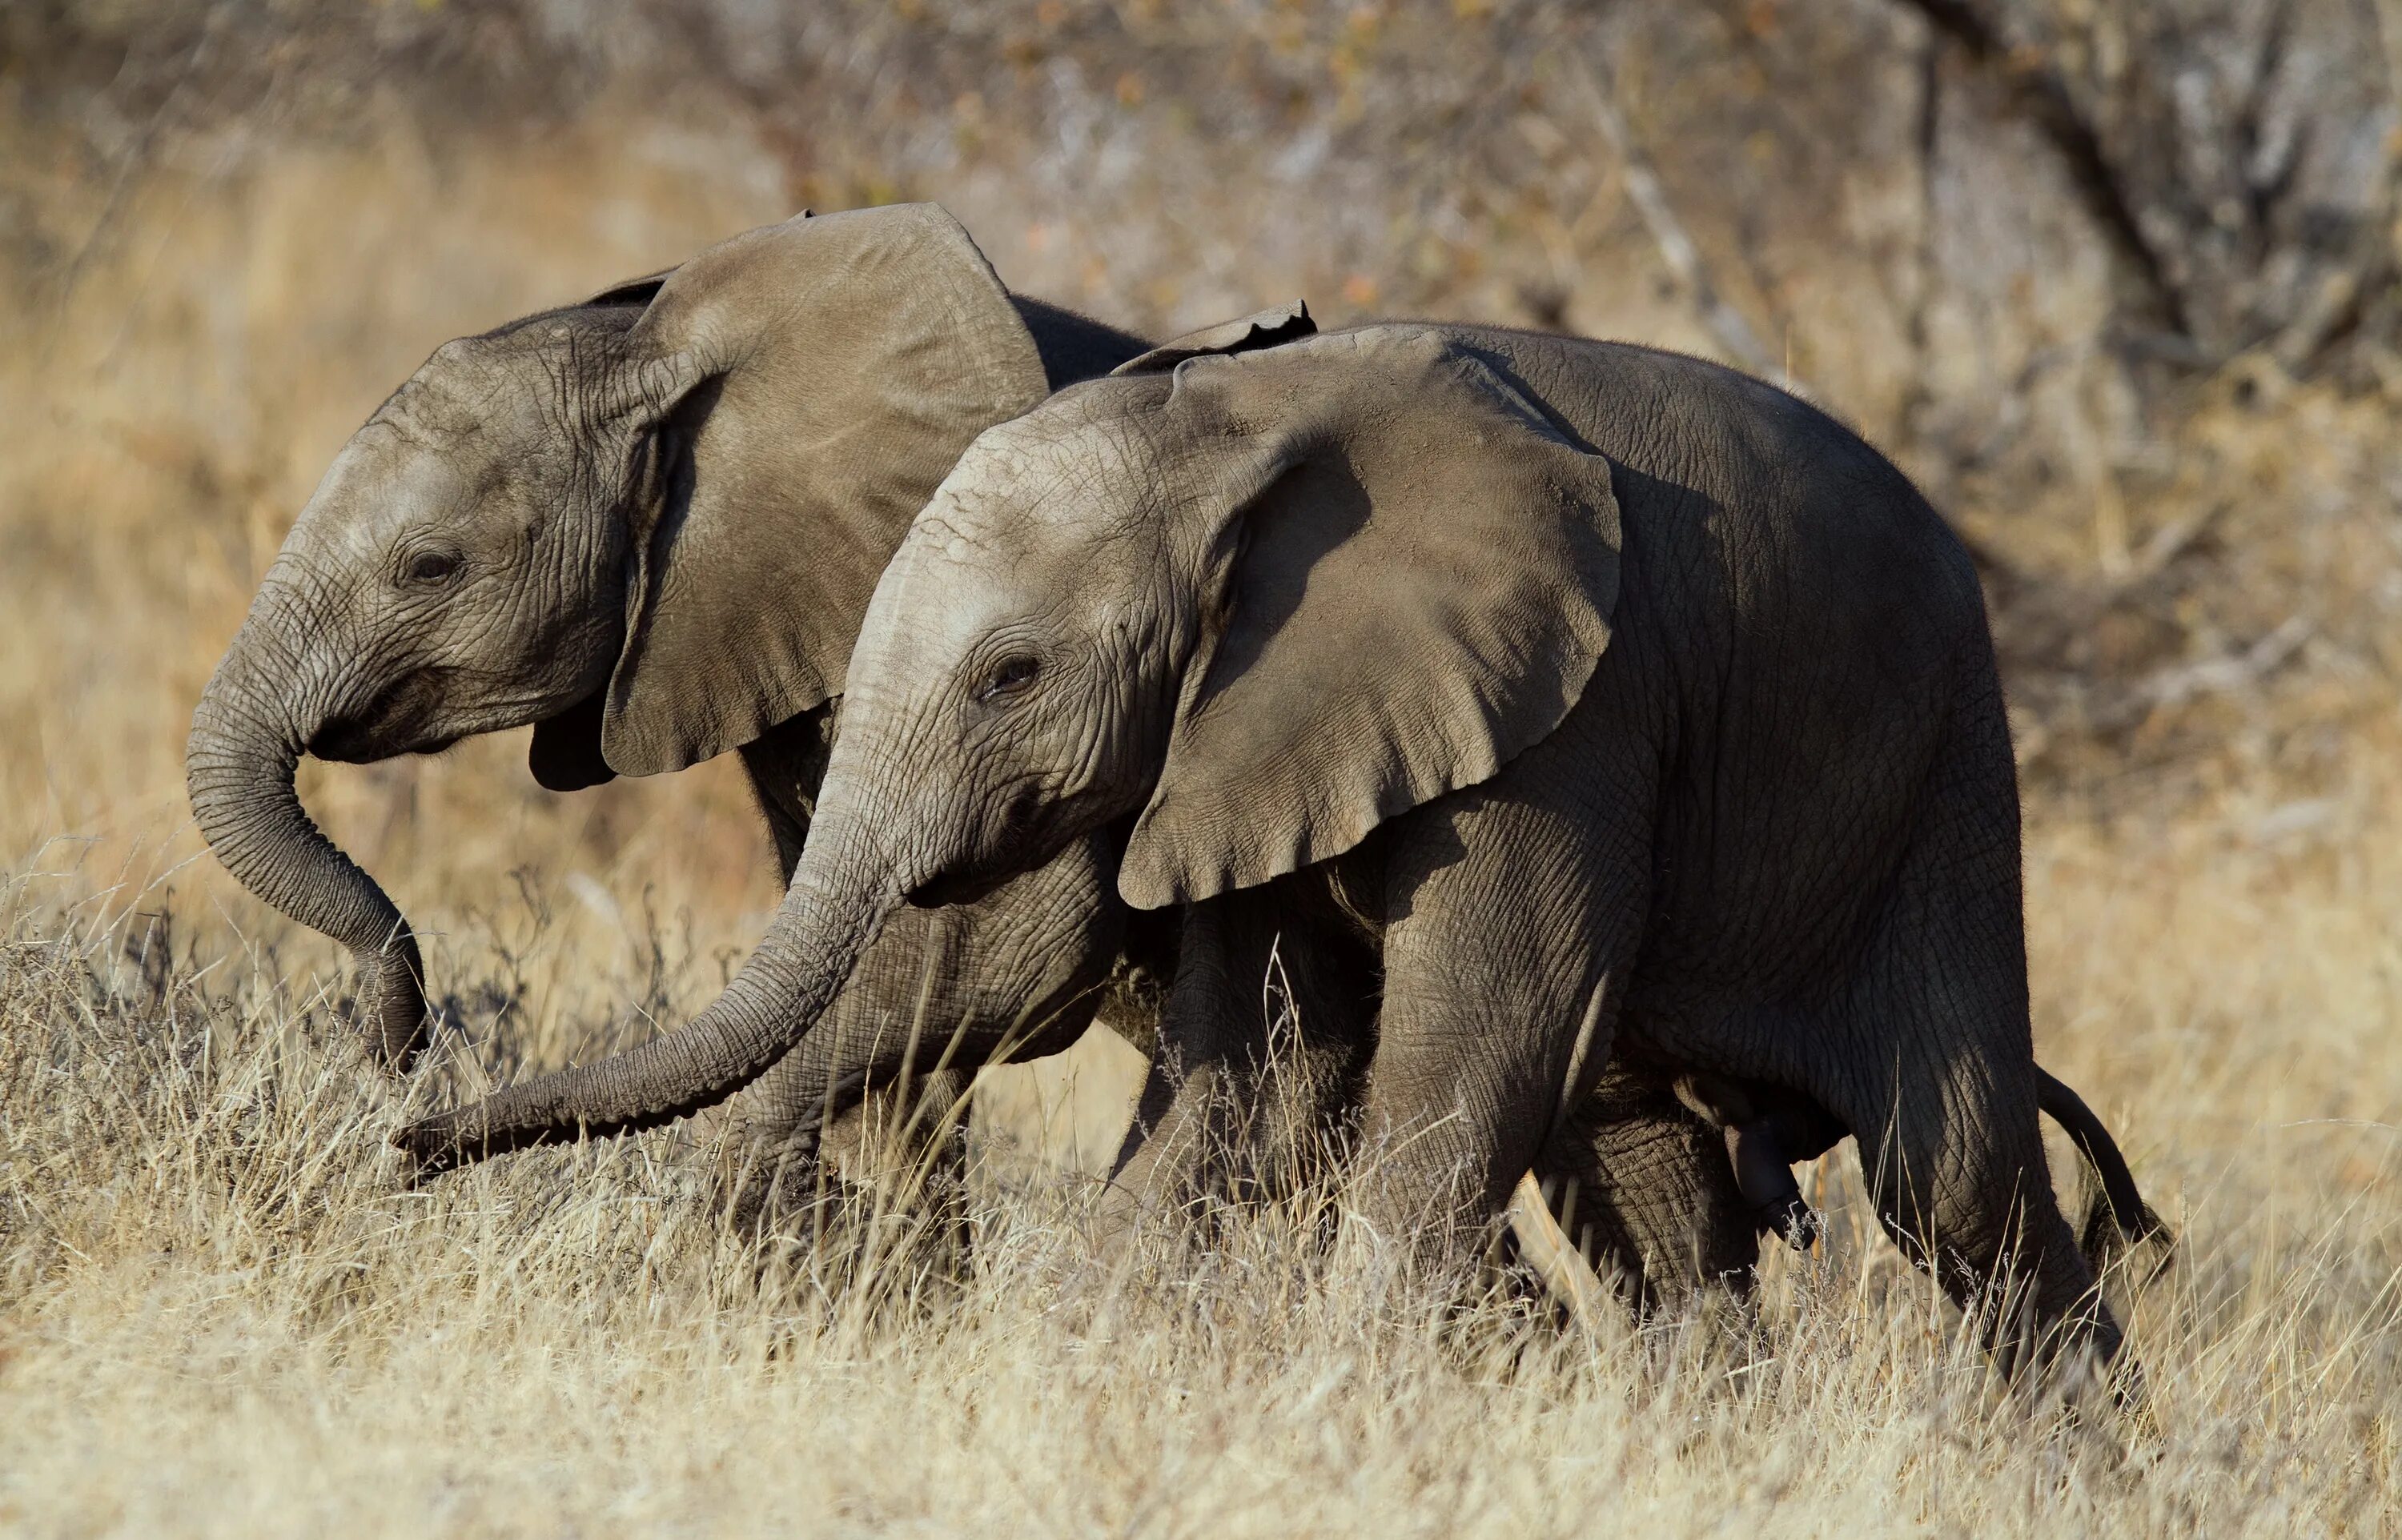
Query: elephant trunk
{"points": [[240, 763], [841, 894]]}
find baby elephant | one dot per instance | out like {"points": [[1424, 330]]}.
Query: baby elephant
{"points": [[1622, 702], [648, 525]]}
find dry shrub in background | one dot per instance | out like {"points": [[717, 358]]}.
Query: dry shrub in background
{"points": [[2117, 284]]}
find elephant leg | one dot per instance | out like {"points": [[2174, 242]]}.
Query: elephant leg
{"points": [[1641, 1184], [785, 765], [903, 1150], [1955, 1168], [816, 1143], [868, 1113], [1941, 1088], [1517, 913], [819, 1127], [1263, 1037]]}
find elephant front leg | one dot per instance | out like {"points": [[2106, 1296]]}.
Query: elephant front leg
{"points": [[1463, 1100], [900, 1158], [1262, 1039], [785, 765], [1515, 931], [821, 1149], [836, 1132]]}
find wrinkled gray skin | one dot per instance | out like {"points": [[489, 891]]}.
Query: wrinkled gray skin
{"points": [[1624, 704], [560, 465], [1249, 1083]]}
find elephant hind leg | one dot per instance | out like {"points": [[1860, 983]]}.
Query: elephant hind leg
{"points": [[1941, 1088], [1975, 1207], [1642, 1185]]}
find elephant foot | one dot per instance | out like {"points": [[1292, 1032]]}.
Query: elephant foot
{"points": [[1791, 1220], [1762, 1173]]}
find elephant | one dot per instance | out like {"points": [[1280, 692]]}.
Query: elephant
{"points": [[647, 524], [1619, 1173], [1624, 704]]}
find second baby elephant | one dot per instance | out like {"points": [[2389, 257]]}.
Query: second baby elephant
{"points": [[1626, 705], [649, 524]]}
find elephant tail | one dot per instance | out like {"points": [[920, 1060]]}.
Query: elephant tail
{"points": [[2116, 1216]]}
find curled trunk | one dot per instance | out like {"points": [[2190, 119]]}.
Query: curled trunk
{"points": [[240, 765]]}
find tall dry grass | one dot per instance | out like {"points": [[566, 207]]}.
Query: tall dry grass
{"points": [[222, 1311], [226, 1313]]}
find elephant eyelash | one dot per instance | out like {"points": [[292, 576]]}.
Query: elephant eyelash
{"points": [[429, 567], [1011, 676]]}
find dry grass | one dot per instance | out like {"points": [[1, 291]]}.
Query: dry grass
{"points": [[226, 1314], [221, 1311]]}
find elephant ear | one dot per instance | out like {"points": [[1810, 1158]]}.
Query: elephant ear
{"points": [[805, 387], [1410, 577], [1269, 328], [638, 290]]}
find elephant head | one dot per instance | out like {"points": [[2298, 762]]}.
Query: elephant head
{"points": [[648, 524], [1253, 597]]}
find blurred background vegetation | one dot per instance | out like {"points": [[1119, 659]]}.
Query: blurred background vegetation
{"points": [[2115, 281]]}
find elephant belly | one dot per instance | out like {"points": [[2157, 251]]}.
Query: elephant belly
{"points": [[1774, 829]]}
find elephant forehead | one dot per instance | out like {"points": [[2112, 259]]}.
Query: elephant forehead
{"points": [[380, 480], [455, 396], [961, 576], [1039, 473], [510, 389], [931, 607]]}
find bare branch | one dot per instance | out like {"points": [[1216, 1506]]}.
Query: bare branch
{"points": [[1676, 248], [2230, 673], [2044, 97]]}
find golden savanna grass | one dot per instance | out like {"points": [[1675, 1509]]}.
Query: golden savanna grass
{"points": [[222, 1311]]}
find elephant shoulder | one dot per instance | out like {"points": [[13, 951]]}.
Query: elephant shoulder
{"points": [[1765, 469]]}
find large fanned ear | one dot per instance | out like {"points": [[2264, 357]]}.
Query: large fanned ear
{"points": [[811, 382], [1268, 328], [1412, 571]]}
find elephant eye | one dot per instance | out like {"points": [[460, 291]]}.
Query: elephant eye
{"points": [[1008, 677], [431, 567]]}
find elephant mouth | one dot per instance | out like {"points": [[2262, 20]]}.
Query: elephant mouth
{"points": [[1029, 836], [345, 743], [1022, 839], [392, 724], [958, 886]]}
